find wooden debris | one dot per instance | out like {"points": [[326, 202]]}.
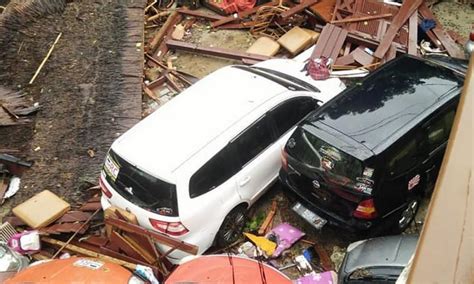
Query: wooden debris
{"points": [[413, 34], [13, 106], [268, 219], [297, 9], [448, 43], [173, 18], [45, 58], [214, 51], [408, 8], [194, 13], [361, 19], [330, 42]]}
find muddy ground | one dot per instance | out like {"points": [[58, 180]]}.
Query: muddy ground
{"points": [[78, 91], [79, 87]]}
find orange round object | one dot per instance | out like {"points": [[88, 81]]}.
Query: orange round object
{"points": [[225, 269], [73, 270]]}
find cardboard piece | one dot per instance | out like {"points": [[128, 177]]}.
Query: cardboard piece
{"points": [[314, 35], [264, 46], [295, 40], [42, 209]]}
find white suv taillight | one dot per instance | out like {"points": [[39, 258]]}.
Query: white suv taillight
{"points": [[104, 188], [169, 228]]}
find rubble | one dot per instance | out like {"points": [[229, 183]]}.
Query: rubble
{"points": [[357, 36]]}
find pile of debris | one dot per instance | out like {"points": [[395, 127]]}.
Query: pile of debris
{"points": [[354, 36], [45, 227]]}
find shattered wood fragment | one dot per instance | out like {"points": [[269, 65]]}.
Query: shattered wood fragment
{"points": [[326, 262], [95, 240], [323, 9], [13, 105], [268, 219], [45, 58], [14, 165], [361, 19], [150, 93], [330, 42], [197, 14], [160, 238], [406, 10], [90, 206], [241, 15], [125, 246], [138, 249], [158, 15], [448, 43], [214, 51], [362, 57], [297, 9], [413, 34], [74, 216], [80, 228], [86, 252], [173, 18]]}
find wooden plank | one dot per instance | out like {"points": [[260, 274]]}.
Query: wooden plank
{"points": [[86, 252], [362, 57], [322, 40], [407, 9], [413, 34], [448, 43], [158, 38], [214, 51], [160, 238], [126, 247], [136, 246], [197, 14], [324, 9], [240, 15], [298, 8], [341, 37], [361, 19], [345, 60], [268, 219]]}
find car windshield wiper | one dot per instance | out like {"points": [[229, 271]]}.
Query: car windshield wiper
{"points": [[289, 78], [276, 79]]}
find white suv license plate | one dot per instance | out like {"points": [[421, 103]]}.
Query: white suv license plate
{"points": [[309, 216]]}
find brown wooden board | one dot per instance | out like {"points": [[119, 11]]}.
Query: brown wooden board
{"points": [[448, 43], [160, 238], [324, 9], [74, 216], [330, 42], [297, 9], [362, 57], [413, 34], [125, 246], [408, 8]]}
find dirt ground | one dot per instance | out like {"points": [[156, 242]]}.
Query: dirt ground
{"points": [[78, 91]]}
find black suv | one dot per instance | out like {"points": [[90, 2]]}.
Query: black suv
{"points": [[363, 159]]}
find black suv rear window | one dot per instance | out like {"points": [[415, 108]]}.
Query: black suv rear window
{"points": [[139, 187], [317, 154]]}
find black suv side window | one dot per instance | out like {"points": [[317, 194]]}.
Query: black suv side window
{"points": [[290, 112], [254, 140], [407, 154], [215, 172], [438, 130]]}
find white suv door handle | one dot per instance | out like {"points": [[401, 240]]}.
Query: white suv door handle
{"points": [[245, 181]]}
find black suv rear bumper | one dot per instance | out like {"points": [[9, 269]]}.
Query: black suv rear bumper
{"points": [[352, 224]]}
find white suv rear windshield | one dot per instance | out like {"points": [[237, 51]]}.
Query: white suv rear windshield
{"points": [[139, 187]]}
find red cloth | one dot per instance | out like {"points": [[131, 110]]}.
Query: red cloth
{"points": [[318, 69]]}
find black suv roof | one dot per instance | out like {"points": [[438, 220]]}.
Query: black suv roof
{"points": [[396, 96]]}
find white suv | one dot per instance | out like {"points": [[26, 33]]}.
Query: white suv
{"points": [[193, 167]]}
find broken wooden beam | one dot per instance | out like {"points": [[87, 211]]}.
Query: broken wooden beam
{"points": [[329, 42], [361, 19], [413, 34], [90, 253], [161, 238], [241, 15], [173, 18], [297, 9], [214, 51], [408, 8], [197, 14], [448, 43]]}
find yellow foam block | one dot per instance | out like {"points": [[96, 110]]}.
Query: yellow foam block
{"points": [[41, 209], [295, 40], [264, 46], [314, 35]]}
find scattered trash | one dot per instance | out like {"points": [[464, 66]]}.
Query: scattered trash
{"points": [[25, 242], [285, 236]]}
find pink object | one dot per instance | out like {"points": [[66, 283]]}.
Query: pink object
{"points": [[328, 277], [286, 235], [25, 242]]}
